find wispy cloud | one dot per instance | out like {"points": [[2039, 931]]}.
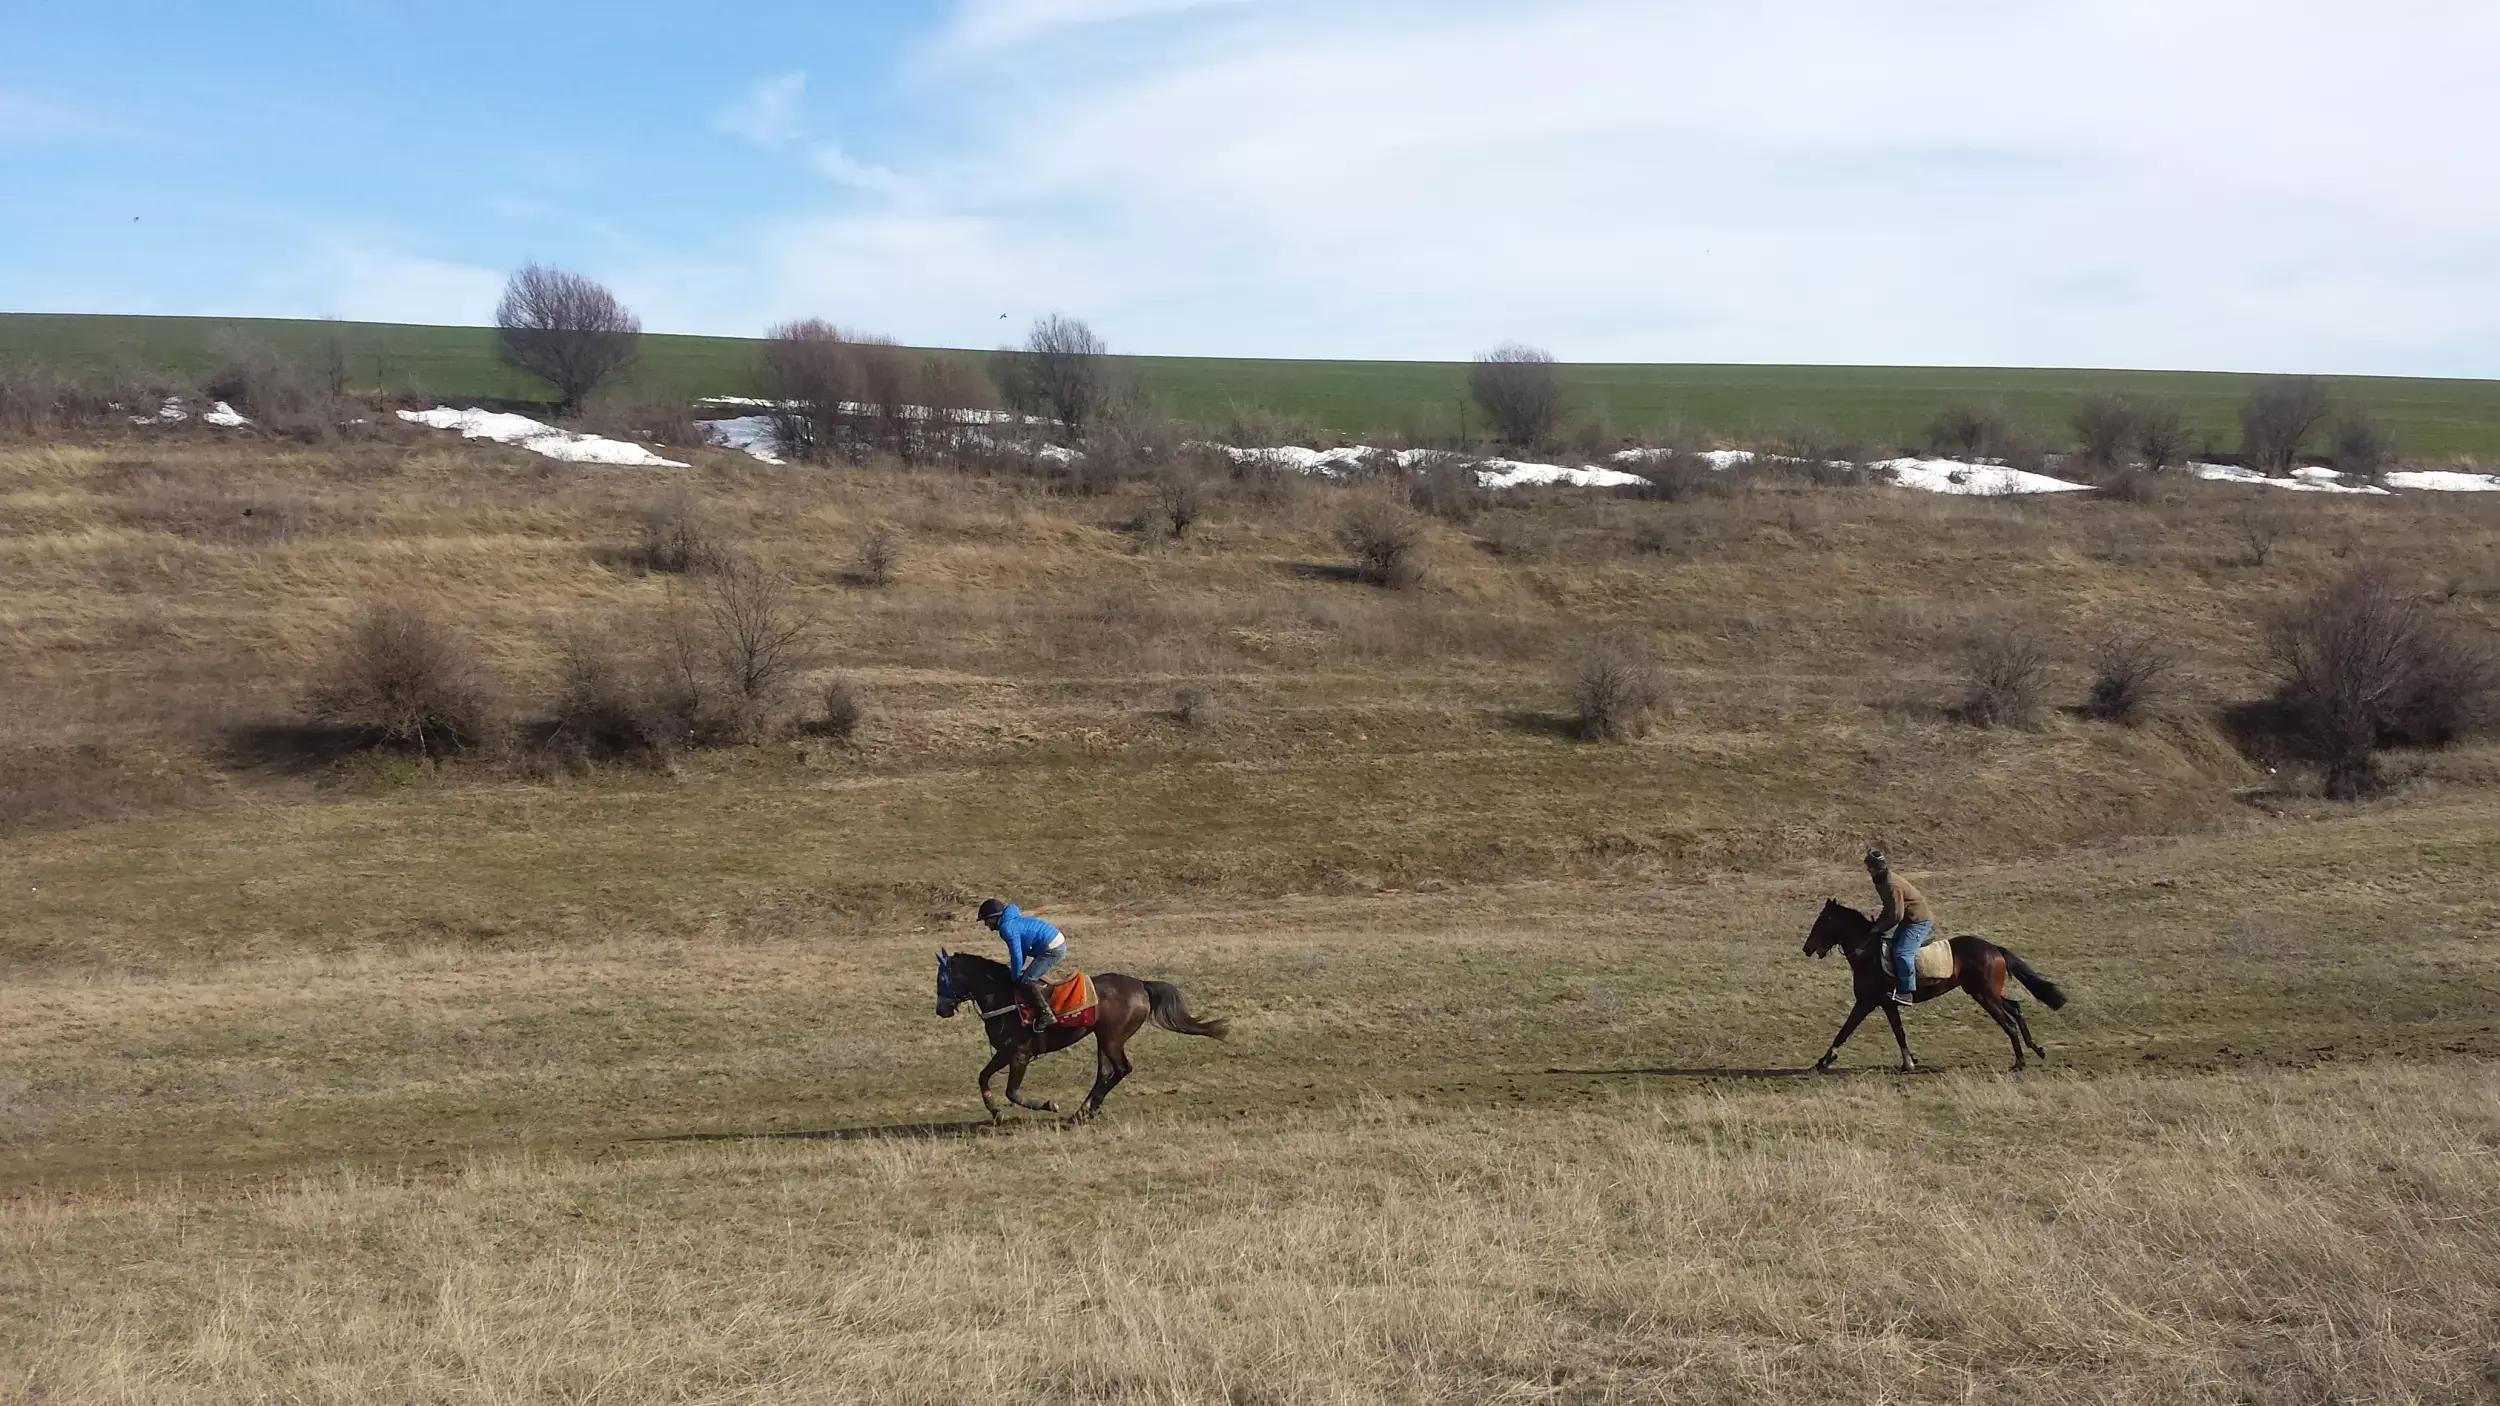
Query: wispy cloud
{"points": [[768, 112], [27, 120], [989, 24]]}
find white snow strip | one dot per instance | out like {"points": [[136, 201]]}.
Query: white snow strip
{"points": [[967, 415], [752, 434], [224, 416], [1511, 473], [522, 432], [1715, 458], [2444, 481], [1977, 480], [2303, 481], [173, 412]]}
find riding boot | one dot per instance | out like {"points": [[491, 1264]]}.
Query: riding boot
{"points": [[1042, 1017]]}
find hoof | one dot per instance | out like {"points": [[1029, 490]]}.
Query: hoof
{"points": [[1823, 1066], [1049, 1107]]}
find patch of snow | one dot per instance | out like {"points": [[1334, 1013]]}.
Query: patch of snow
{"points": [[1057, 454], [2444, 481], [174, 412], [1977, 480], [522, 432], [751, 433], [224, 416], [1511, 473], [2303, 481], [966, 415]]}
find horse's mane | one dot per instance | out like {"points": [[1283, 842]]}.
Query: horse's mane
{"points": [[977, 966], [1852, 912]]}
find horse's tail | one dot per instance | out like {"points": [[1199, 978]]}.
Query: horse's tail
{"points": [[1171, 1011], [2038, 985]]}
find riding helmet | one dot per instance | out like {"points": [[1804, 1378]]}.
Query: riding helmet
{"points": [[1875, 860], [992, 908]]}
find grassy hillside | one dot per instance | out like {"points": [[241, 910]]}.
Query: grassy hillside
{"points": [[1880, 405]]}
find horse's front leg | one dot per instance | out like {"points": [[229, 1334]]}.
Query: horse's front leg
{"points": [[1848, 1028], [997, 1062], [1017, 1063], [1899, 1037]]}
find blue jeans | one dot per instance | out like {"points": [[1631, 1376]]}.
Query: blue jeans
{"points": [[1038, 965], [1906, 940]]}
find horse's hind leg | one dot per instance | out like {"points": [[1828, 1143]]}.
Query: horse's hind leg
{"points": [[1995, 1007], [2022, 1027], [1106, 1074], [1848, 1028]]}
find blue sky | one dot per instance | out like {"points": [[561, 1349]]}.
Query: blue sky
{"points": [[2226, 184]]}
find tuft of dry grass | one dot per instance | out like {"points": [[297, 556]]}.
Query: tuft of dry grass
{"points": [[1616, 689]]}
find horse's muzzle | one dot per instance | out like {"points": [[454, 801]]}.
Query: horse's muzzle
{"points": [[946, 1009]]}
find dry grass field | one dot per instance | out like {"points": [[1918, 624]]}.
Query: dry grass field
{"points": [[332, 1077]]}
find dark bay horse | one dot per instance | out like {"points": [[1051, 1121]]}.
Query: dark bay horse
{"points": [[1124, 1005], [1979, 967]]}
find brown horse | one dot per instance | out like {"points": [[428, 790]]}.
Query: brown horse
{"points": [[1124, 1005], [1979, 967]]}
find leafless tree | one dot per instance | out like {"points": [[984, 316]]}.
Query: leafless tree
{"points": [[2106, 426], [760, 632], [1012, 373], [957, 396], [1519, 390], [889, 392], [2277, 419], [565, 329], [2162, 436], [2359, 446], [810, 370], [1064, 362]]}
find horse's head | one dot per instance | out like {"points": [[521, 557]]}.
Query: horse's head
{"points": [[949, 994], [1838, 925]]}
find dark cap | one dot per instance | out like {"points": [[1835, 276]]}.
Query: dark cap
{"points": [[992, 908], [1875, 860]]}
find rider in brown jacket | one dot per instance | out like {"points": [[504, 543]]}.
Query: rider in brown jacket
{"points": [[1907, 917]]}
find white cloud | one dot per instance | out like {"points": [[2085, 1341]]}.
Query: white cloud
{"points": [[991, 24], [26, 119], [767, 113], [836, 164]]}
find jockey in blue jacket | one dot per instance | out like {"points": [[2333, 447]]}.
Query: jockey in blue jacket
{"points": [[1033, 948]]}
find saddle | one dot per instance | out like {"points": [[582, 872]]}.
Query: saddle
{"points": [[1072, 1000], [1935, 960]]}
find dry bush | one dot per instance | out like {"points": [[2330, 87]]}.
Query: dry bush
{"points": [[565, 329], [678, 536], [1965, 431], [2277, 419], [958, 398], [1518, 536], [1126, 444], [1652, 538], [1257, 427], [2142, 486], [2363, 664], [2162, 437], [1386, 539], [613, 702], [405, 677], [1616, 690], [1519, 391], [1197, 706], [1678, 476], [34, 401], [1066, 372], [2260, 527], [2107, 426], [669, 423], [890, 396], [1446, 486], [2359, 446], [2129, 677], [839, 712], [1179, 501], [278, 394], [2006, 670], [880, 557], [760, 632]]}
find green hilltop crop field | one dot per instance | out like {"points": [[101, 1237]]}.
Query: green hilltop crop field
{"points": [[2433, 420]]}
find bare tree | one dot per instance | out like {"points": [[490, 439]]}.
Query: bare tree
{"points": [[565, 329], [2277, 419], [1965, 431], [1519, 391], [2106, 427], [811, 373], [890, 395], [1065, 363], [2359, 446], [1013, 375], [760, 636], [2161, 435], [957, 396]]}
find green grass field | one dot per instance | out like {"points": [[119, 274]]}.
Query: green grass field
{"points": [[1882, 406]]}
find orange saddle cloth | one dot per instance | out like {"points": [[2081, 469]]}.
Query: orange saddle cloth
{"points": [[1071, 995]]}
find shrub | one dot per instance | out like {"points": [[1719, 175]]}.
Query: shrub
{"points": [[2161, 435], [2006, 669], [2260, 527], [839, 712], [406, 678], [677, 537], [669, 423], [2131, 675], [2359, 445], [1965, 431], [2107, 426], [880, 557], [35, 401], [1180, 500], [2362, 665], [2277, 419], [1127, 443], [810, 371], [760, 632], [1197, 706], [1678, 476], [1616, 689], [1519, 391], [610, 705], [1386, 540], [276, 393], [2133, 485], [1446, 486], [567, 330], [1066, 372]]}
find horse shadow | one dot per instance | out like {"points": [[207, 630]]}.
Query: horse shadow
{"points": [[891, 1132], [1712, 1071]]}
